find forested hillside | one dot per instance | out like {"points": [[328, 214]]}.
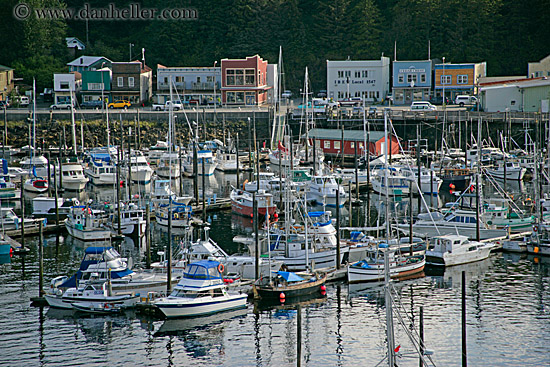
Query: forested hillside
{"points": [[505, 33]]}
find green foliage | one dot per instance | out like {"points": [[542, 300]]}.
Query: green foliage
{"points": [[504, 33]]}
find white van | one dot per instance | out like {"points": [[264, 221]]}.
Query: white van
{"points": [[24, 101], [422, 105], [462, 100]]}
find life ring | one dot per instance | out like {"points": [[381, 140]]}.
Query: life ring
{"points": [[535, 228], [221, 268], [176, 216]]}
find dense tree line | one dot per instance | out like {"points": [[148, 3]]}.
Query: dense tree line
{"points": [[504, 33]]}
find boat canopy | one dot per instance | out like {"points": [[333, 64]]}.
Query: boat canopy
{"points": [[96, 250], [203, 269], [290, 277]]}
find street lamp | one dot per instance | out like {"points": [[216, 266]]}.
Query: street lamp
{"points": [[215, 99]]}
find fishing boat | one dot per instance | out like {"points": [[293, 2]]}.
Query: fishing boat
{"points": [[395, 184], [201, 291], [454, 249], [168, 166], [227, 162], [288, 285], [181, 215], [371, 268], [44, 207], [242, 203], [510, 170], [141, 171], [92, 296], [101, 172], [87, 224], [132, 220], [10, 221]]}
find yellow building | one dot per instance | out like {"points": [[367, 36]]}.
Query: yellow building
{"points": [[458, 79], [6, 82]]}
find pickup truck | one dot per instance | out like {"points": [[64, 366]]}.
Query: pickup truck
{"points": [[177, 105]]}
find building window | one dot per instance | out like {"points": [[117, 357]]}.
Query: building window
{"points": [[249, 77], [165, 80], [179, 79], [326, 144], [198, 79], [462, 79], [340, 74], [348, 73], [210, 79], [352, 145], [365, 73], [377, 94], [357, 73], [131, 81], [445, 79], [120, 81], [411, 78], [337, 144], [401, 78], [230, 97], [230, 77], [239, 77], [422, 78], [357, 94], [95, 86]]}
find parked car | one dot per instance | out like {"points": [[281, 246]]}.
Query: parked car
{"points": [[422, 105], [3, 104], [286, 94], [322, 93], [91, 104], [438, 100], [176, 106], [119, 104], [64, 105], [355, 101], [462, 100]]}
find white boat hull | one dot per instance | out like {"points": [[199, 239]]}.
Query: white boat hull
{"points": [[376, 272], [97, 234], [178, 307], [450, 259]]}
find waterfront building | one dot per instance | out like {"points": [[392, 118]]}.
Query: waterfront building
{"points": [[412, 81], [244, 81], [96, 83], [193, 84], [520, 95], [88, 63], [131, 81], [458, 79], [539, 69], [64, 84], [331, 142], [365, 79], [6, 82]]}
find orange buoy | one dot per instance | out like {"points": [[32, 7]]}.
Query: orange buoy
{"points": [[323, 287]]}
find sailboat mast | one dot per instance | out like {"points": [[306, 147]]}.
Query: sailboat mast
{"points": [[33, 120], [72, 119]]}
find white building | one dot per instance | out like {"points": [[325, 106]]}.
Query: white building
{"points": [[194, 84], [368, 79], [524, 95], [64, 84]]}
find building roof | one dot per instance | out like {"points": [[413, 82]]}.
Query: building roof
{"points": [[79, 43], [5, 68], [521, 83], [86, 60], [349, 135]]}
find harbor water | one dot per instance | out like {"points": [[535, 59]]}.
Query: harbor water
{"points": [[507, 311]]}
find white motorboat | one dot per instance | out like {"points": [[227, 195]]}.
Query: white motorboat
{"points": [[44, 207], [141, 172], [227, 162], [86, 224], [169, 166], [201, 291], [323, 190], [282, 157], [510, 170], [456, 249], [132, 220], [430, 183], [181, 215], [91, 296], [100, 172], [210, 163], [266, 182], [72, 176], [397, 185], [456, 222], [9, 220], [104, 263]]}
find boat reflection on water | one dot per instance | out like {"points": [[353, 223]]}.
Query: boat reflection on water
{"points": [[100, 329], [181, 327], [279, 307], [451, 277]]}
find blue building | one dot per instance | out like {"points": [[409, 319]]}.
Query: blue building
{"points": [[412, 81]]}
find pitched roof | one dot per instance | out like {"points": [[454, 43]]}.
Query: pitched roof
{"points": [[5, 68], [86, 60]]}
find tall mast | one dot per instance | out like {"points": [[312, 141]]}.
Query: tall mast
{"points": [[72, 119]]}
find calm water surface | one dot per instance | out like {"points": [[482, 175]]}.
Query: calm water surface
{"points": [[508, 318]]}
